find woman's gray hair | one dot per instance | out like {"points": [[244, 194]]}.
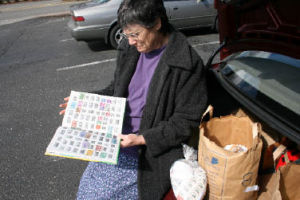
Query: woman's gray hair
{"points": [[144, 13]]}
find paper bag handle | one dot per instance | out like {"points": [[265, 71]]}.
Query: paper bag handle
{"points": [[281, 149], [209, 110]]}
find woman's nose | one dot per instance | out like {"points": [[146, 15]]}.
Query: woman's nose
{"points": [[131, 41]]}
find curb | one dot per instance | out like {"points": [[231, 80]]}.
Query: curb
{"points": [[14, 1], [59, 14], [20, 1]]}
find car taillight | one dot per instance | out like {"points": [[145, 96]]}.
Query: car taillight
{"points": [[78, 18]]}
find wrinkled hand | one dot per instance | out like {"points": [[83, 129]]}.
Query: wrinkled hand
{"points": [[64, 105], [131, 140]]}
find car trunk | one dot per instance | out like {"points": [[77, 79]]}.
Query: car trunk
{"points": [[264, 26], [256, 26]]}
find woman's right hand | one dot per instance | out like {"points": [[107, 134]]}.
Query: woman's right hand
{"points": [[64, 105]]}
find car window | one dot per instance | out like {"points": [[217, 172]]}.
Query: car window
{"points": [[271, 80]]}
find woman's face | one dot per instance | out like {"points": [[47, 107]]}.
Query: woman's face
{"points": [[144, 39]]}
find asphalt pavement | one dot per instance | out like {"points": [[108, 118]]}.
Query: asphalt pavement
{"points": [[40, 63], [37, 59], [11, 13]]}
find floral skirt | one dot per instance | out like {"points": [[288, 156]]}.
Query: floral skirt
{"points": [[111, 182]]}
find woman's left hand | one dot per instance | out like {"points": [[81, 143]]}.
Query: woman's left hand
{"points": [[131, 139]]}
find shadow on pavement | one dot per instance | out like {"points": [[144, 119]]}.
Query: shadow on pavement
{"points": [[198, 31], [98, 45]]}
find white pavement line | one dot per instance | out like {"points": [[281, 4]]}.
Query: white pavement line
{"points": [[85, 64], [66, 40], [207, 43], [113, 59]]}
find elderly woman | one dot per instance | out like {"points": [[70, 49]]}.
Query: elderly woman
{"points": [[163, 79]]}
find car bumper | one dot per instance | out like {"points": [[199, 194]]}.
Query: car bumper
{"points": [[87, 33]]}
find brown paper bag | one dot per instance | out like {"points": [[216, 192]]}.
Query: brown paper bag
{"points": [[269, 187], [230, 175], [281, 185], [289, 181]]}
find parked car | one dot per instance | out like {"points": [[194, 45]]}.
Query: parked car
{"points": [[97, 19], [259, 67]]}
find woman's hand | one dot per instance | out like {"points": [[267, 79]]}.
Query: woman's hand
{"points": [[131, 140], [64, 105]]}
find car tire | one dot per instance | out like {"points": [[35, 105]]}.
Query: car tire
{"points": [[115, 36], [216, 25]]}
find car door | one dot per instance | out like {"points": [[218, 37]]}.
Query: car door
{"points": [[190, 13]]}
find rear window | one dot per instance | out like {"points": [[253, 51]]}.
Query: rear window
{"points": [[270, 80]]}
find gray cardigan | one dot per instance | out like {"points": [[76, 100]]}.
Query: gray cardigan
{"points": [[176, 99]]}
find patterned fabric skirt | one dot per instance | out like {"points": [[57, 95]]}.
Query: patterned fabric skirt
{"points": [[111, 182]]}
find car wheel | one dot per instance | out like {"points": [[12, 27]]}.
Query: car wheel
{"points": [[115, 36], [216, 25]]}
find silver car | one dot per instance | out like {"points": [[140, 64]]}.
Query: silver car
{"points": [[97, 19]]}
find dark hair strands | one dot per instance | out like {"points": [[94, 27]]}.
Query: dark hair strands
{"points": [[144, 13]]}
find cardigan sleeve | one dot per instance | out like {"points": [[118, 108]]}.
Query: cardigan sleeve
{"points": [[190, 103]]}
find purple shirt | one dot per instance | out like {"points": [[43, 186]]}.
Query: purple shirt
{"points": [[138, 89]]}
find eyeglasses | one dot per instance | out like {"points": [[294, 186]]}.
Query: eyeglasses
{"points": [[131, 35]]}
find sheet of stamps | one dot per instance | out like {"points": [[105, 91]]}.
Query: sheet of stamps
{"points": [[89, 129]]}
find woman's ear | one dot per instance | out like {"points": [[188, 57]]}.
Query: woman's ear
{"points": [[158, 24]]}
